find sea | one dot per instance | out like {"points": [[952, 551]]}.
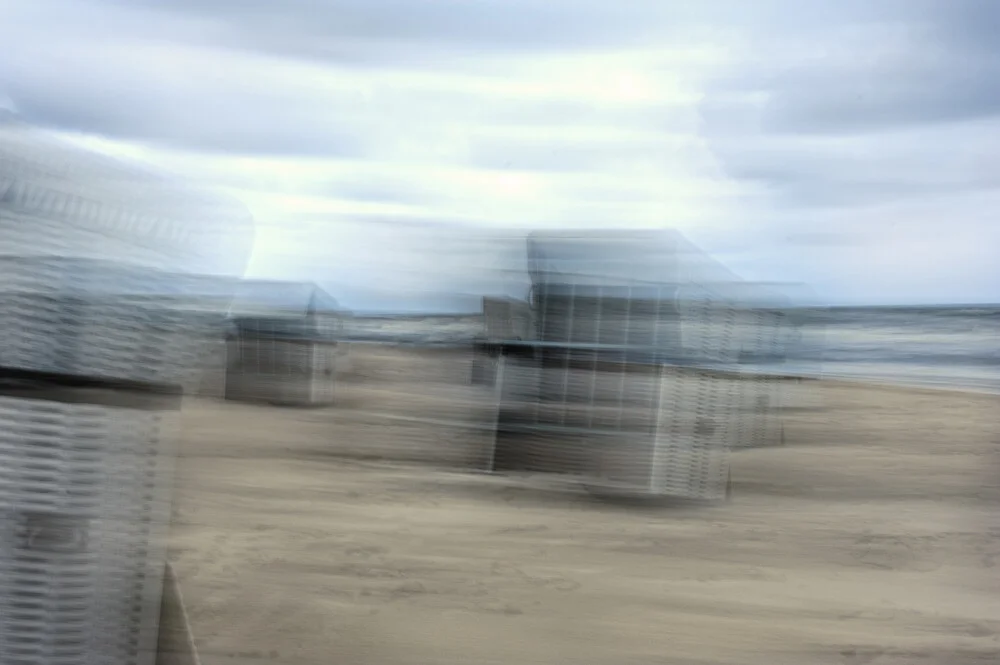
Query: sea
{"points": [[944, 347], [949, 347]]}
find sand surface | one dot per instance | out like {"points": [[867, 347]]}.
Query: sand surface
{"points": [[339, 536]]}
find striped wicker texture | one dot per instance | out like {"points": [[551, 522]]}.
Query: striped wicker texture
{"points": [[94, 320], [57, 199], [81, 500]]}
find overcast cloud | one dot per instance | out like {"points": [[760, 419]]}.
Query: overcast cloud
{"points": [[851, 145]]}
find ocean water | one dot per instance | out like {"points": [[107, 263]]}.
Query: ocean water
{"points": [[944, 347]]}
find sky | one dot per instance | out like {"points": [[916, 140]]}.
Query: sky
{"points": [[390, 150]]}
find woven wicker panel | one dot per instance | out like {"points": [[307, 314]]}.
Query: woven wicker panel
{"points": [[279, 371], [627, 425], [95, 320], [57, 199], [83, 488], [82, 507], [558, 419], [697, 414]]}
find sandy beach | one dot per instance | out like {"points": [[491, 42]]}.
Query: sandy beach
{"points": [[344, 536]]}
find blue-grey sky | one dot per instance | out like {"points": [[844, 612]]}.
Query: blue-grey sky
{"points": [[853, 145]]}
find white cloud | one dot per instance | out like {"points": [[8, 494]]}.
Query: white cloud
{"points": [[424, 132], [772, 135]]}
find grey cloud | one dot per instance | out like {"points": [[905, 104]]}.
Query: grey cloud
{"points": [[81, 86], [420, 34], [334, 26], [915, 63], [260, 132], [967, 24], [112, 75], [866, 169], [833, 98], [164, 96], [59, 72], [831, 184], [896, 104]]}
